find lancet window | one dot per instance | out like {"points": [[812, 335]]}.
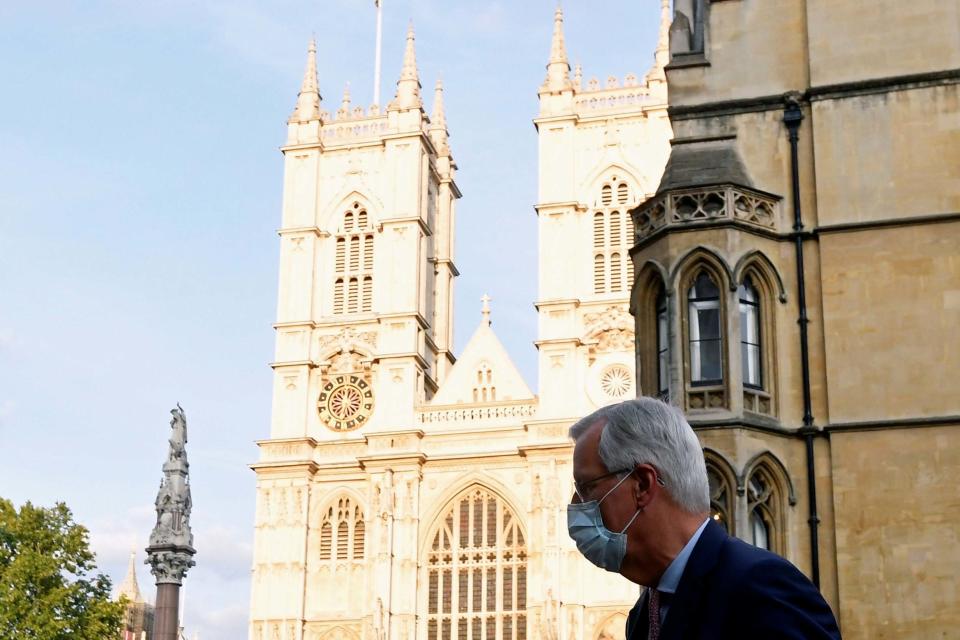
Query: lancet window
{"points": [[343, 532], [612, 239], [353, 263], [484, 389], [704, 331], [477, 571]]}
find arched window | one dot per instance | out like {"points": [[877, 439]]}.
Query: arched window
{"points": [[663, 345], [750, 347], [342, 532], [705, 337], [721, 500], [484, 391], [763, 507], [612, 239], [477, 571], [353, 263]]}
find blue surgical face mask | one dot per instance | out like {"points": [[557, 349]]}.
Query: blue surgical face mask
{"points": [[599, 545]]}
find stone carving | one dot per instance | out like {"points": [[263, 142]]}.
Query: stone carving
{"points": [[379, 628], [613, 318], [171, 543], [706, 204], [348, 338], [550, 623]]}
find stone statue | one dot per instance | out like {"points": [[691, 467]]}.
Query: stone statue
{"points": [[171, 551], [550, 622], [178, 434], [379, 628]]}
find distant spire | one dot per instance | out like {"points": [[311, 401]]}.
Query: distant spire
{"points": [[485, 310], [439, 116], [308, 100], [438, 122], [577, 76], [558, 68], [663, 40], [129, 586], [408, 87], [345, 104]]}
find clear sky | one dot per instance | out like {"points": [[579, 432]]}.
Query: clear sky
{"points": [[140, 185]]}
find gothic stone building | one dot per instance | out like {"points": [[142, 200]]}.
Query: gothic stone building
{"points": [[404, 493], [798, 290]]}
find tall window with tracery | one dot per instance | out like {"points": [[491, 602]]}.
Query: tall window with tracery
{"points": [[720, 498], [762, 509], [612, 239], [353, 263], [477, 572], [342, 532]]}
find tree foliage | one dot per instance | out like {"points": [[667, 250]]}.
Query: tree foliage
{"points": [[47, 591]]}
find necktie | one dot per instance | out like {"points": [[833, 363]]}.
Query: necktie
{"points": [[653, 609]]}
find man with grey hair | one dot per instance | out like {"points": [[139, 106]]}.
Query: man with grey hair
{"points": [[641, 509]]}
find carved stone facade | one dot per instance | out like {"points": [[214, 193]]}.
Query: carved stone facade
{"points": [[441, 514]]}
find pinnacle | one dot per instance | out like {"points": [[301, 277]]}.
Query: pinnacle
{"points": [[308, 100]]}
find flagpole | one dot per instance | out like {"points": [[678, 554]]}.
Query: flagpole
{"points": [[376, 63]]}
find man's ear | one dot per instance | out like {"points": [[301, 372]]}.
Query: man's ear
{"points": [[645, 485]]}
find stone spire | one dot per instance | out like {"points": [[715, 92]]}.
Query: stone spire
{"points": [[438, 122], [129, 587], [344, 110], [408, 87], [308, 100], [558, 68], [663, 41], [657, 78]]}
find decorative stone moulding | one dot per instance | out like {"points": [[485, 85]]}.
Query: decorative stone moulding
{"points": [[441, 416], [706, 205]]}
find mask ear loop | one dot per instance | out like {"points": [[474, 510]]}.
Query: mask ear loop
{"points": [[631, 520], [613, 489]]}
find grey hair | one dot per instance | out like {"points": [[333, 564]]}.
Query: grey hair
{"points": [[648, 431]]}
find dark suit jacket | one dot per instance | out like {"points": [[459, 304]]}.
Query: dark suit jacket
{"points": [[733, 590]]}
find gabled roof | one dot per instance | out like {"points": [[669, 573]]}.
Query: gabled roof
{"points": [[484, 372]]}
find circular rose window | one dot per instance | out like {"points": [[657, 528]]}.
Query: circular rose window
{"points": [[616, 382]]}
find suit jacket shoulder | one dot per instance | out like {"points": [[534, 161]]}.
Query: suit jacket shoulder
{"points": [[731, 589]]}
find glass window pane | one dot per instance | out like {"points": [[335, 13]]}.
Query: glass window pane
{"points": [[704, 287], [761, 534], [710, 368], [706, 319]]}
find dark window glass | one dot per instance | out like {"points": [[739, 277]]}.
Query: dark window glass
{"points": [[706, 344], [750, 334], [663, 345]]}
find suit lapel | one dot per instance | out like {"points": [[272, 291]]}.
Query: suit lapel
{"points": [[691, 589]]}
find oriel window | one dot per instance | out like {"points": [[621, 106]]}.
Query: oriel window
{"points": [[750, 334], [706, 343]]}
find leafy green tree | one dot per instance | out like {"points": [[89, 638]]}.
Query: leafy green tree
{"points": [[46, 592]]}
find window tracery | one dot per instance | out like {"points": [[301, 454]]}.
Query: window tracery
{"points": [[342, 532], [476, 569]]}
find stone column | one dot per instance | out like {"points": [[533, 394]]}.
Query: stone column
{"points": [[171, 551]]}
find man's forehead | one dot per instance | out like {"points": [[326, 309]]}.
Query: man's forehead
{"points": [[586, 453]]}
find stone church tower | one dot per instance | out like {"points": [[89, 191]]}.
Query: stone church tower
{"points": [[403, 493]]}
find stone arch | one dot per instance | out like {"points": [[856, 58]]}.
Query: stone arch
{"points": [[767, 489], [332, 212], [613, 627], [723, 484], [594, 181], [336, 633], [477, 541], [778, 469], [701, 255], [651, 279], [756, 260], [446, 498]]}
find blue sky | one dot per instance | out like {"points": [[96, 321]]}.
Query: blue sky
{"points": [[139, 198]]}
